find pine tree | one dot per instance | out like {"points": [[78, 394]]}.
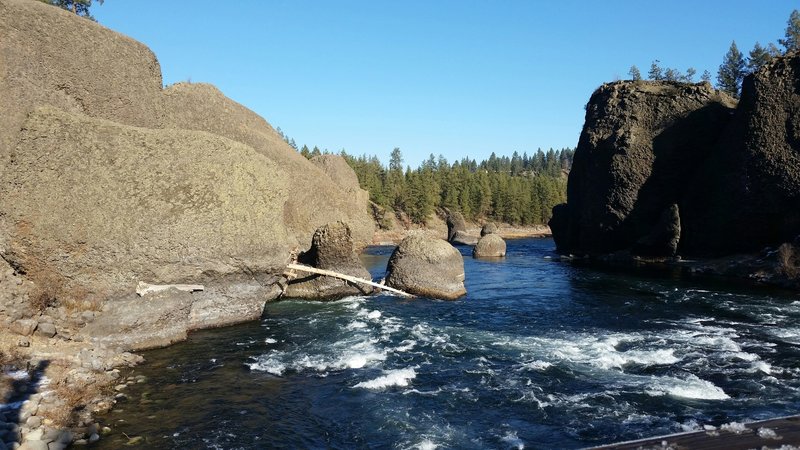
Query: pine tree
{"points": [[690, 73], [634, 73], [672, 75], [731, 71], [758, 57], [79, 7], [706, 76], [792, 32], [655, 72]]}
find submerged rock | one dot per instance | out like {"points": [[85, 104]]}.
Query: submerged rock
{"points": [[427, 267], [332, 249], [490, 246]]}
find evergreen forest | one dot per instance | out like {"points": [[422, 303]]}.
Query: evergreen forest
{"points": [[520, 190]]}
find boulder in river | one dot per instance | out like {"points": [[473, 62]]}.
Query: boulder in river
{"points": [[490, 246], [427, 267], [488, 228], [332, 249], [457, 230]]}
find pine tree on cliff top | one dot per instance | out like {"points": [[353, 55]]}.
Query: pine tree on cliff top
{"points": [[79, 7], [757, 58], [731, 71], [792, 32], [634, 73], [655, 73]]}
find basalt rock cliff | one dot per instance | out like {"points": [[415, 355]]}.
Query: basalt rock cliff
{"points": [[666, 168]]}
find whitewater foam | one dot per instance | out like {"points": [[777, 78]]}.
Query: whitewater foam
{"points": [[689, 387], [398, 377]]}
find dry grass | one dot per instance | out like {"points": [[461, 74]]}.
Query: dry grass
{"points": [[10, 356], [51, 289], [787, 261], [72, 398]]}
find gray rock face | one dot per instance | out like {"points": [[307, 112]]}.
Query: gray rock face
{"points": [[230, 303], [427, 267], [108, 179], [46, 330], [125, 210], [134, 323], [664, 237], [749, 196], [490, 246], [638, 150], [332, 248]]}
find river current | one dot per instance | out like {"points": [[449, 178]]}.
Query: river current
{"points": [[539, 354]]}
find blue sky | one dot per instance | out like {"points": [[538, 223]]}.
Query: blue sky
{"points": [[458, 78]]}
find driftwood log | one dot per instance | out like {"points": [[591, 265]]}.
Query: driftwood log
{"points": [[144, 288], [349, 278]]}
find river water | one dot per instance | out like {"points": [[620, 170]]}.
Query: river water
{"points": [[539, 354]]}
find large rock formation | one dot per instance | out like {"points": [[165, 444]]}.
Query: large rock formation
{"points": [[331, 249], [638, 151], [427, 267], [666, 167], [203, 107], [750, 195], [107, 179], [105, 206]]}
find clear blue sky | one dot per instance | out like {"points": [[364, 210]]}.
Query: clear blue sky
{"points": [[460, 78]]}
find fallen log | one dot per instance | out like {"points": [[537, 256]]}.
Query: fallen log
{"points": [[349, 278], [144, 288]]}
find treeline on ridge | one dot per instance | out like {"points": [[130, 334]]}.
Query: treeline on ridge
{"points": [[519, 190]]}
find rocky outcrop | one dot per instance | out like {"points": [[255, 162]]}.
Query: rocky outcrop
{"points": [[642, 145], [457, 230], [202, 107], [123, 209], [665, 168], [106, 179], [749, 196], [427, 267], [332, 249], [490, 246]]}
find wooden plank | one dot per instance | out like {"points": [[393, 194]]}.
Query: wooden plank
{"points": [[330, 273]]}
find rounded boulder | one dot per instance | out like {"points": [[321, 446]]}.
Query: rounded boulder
{"points": [[490, 246], [427, 267]]}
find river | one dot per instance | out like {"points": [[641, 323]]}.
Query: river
{"points": [[539, 354]]}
